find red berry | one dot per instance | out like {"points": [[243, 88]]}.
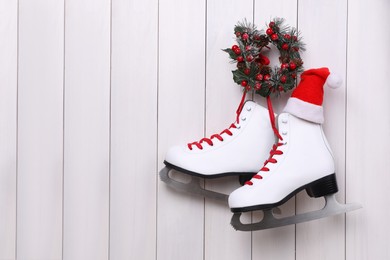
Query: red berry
{"points": [[256, 37], [267, 77], [287, 36], [238, 34], [274, 37], [285, 46], [296, 48], [269, 31], [248, 48], [295, 38], [263, 59], [245, 36], [257, 86], [294, 76], [280, 88], [237, 51], [244, 83], [249, 58], [234, 47], [284, 66], [292, 66], [247, 71], [283, 79], [259, 77], [240, 59], [271, 24], [248, 88]]}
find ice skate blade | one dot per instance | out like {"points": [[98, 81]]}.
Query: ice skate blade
{"points": [[332, 207], [193, 187]]}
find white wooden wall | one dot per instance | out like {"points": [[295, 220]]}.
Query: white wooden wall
{"points": [[94, 92]]}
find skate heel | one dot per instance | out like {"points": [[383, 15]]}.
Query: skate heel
{"points": [[324, 186]]}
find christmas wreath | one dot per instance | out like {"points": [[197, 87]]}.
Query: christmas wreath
{"points": [[253, 70]]}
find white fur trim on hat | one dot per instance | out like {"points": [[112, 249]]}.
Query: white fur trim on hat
{"points": [[305, 110]]}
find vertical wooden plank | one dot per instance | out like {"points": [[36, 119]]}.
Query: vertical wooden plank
{"points": [[263, 244], [8, 97], [40, 129], [222, 99], [87, 115], [181, 119], [133, 130], [324, 239], [368, 128]]}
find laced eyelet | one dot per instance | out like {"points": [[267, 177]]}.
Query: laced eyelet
{"points": [[273, 152], [248, 109], [243, 119], [227, 131]]}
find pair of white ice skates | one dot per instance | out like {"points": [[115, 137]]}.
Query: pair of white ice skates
{"points": [[300, 159]]}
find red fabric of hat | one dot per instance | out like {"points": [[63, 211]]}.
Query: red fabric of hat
{"points": [[311, 87], [306, 100]]}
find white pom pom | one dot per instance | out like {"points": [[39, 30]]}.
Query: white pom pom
{"points": [[334, 81]]}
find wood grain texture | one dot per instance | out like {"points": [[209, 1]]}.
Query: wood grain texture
{"points": [[94, 92], [180, 226], [222, 99], [40, 129], [87, 129], [324, 239], [263, 244], [8, 122], [133, 130], [368, 128]]}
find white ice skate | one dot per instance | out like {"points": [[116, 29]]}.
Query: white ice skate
{"points": [[300, 160], [236, 151]]}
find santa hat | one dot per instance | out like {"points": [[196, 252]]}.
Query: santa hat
{"points": [[306, 100]]}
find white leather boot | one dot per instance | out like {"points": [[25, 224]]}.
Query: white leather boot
{"points": [[301, 160], [238, 150]]}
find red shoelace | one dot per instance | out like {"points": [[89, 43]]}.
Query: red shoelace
{"points": [[269, 160], [209, 141], [274, 150]]}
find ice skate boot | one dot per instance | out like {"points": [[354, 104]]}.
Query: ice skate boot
{"points": [[301, 159], [236, 151]]}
